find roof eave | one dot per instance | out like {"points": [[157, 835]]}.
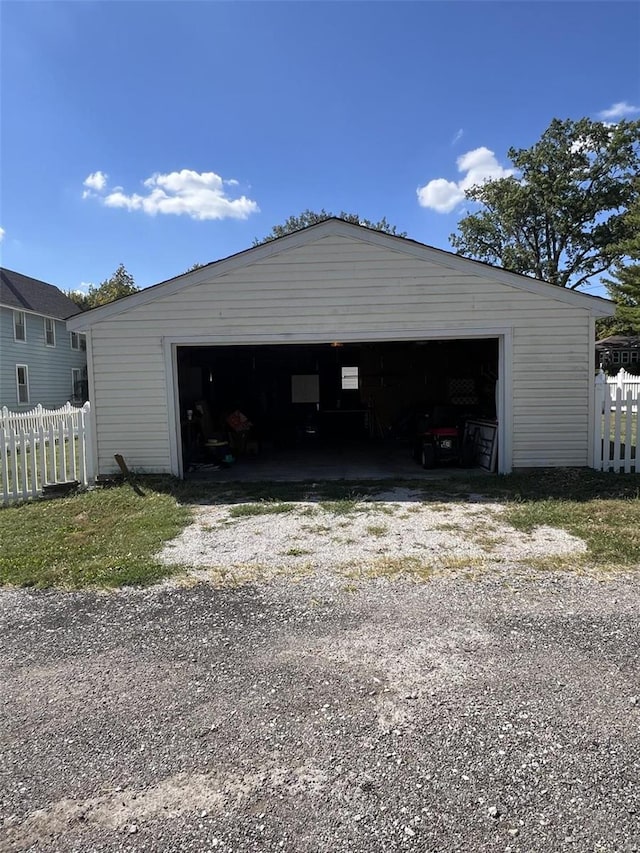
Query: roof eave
{"points": [[33, 311]]}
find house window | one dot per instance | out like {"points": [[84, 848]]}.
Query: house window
{"points": [[350, 379], [19, 326], [79, 385], [78, 341], [22, 383], [624, 358], [615, 357], [634, 355], [49, 332]]}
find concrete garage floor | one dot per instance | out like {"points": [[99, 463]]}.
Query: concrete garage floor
{"points": [[496, 714], [351, 462]]}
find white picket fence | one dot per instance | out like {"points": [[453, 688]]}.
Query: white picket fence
{"points": [[44, 446], [625, 381], [617, 426]]}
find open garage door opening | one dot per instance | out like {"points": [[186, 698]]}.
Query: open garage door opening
{"points": [[370, 409]]}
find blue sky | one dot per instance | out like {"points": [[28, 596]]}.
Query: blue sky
{"points": [[159, 134]]}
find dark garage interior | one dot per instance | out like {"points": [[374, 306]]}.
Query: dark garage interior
{"points": [[241, 406]]}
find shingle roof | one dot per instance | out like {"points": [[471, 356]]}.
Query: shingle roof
{"points": [[28, 294], [619, 340]]}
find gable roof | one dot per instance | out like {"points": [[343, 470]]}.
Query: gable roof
{"points": [[596, 305], [29, 294]]}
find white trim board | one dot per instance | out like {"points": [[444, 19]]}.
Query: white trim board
{"points": [[170, 351], [92, 408], [592, 390], [504, 336], [371, 336]]}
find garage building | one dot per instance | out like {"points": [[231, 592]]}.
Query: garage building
{"points": [[338, 335]]}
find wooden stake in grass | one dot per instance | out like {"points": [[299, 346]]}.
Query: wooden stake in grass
{"points": [[122, 465]]}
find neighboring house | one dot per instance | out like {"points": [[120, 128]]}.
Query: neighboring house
{"points": [[350, 324], [40, 361], [618, 351]]}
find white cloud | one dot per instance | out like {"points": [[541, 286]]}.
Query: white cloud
{"points": [[2, 233], [440, 195], [478, 166], [200, 195], [95, 181], [457, 136], [621, 109]]}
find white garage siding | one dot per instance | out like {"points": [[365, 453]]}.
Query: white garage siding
{"points": [[341, 288]]}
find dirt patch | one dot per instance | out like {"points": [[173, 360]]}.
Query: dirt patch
{"points": [[182, 794]]}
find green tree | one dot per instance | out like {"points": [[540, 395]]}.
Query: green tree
{"points": [[624, 284], [311, 217], [562, 216], [120, 284]]}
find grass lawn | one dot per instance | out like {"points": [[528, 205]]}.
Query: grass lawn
{"points": [[104, 538], [611, 528], [602, 509], [108, 537]]}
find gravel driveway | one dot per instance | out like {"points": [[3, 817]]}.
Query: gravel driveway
{"points": [[496, 714], [358, 537]]}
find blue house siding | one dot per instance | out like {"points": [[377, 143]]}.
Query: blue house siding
{"points": [[50, 378]]}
